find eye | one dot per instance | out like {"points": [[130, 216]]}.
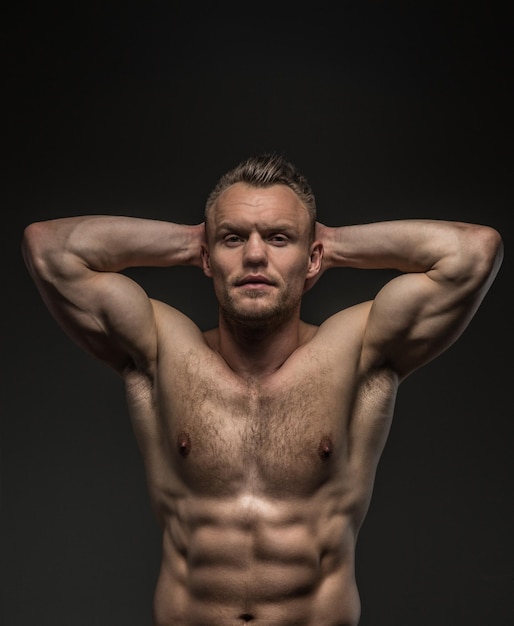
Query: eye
{"points": [[232, 240], [278, 239]]}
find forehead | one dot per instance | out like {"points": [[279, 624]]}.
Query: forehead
{"points": [[243, 203]]}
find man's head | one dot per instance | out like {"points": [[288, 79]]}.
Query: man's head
{"points": [[260, 224], [264, 171]]}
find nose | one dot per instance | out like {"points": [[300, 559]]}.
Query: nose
{"points": [[255, 250]]}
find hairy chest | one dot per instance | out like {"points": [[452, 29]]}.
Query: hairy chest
{"points": [[222, 434]]}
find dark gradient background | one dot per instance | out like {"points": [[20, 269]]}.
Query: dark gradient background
{"points": [[392, 110]]}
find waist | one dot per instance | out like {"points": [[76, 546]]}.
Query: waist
{"points": [[258, 594]]}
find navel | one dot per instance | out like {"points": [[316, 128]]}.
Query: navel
{"points": [[184, 443], [325, 448]]}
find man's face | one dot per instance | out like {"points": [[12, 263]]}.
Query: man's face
{"points": [[259, 254]]}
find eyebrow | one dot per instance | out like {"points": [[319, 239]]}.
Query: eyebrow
{"points": [[272, 227]]}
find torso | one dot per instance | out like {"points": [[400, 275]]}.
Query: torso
{"points": [[260, 485]]}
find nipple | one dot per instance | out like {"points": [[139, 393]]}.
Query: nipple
{"points": [[325, 448], [184, 443]]}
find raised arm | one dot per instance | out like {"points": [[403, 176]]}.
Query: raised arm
{"points": [[446, 268], [76, 264]]}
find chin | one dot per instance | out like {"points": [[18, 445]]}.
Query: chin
{"points": [[257, 317]]}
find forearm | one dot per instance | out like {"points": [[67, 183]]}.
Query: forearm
{"points": [[448, 248], [111, 243]]}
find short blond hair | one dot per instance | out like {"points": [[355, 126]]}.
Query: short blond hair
{"points": [[263, 171]]}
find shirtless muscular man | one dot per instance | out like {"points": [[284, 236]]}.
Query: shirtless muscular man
{"points": [[261, 437]]}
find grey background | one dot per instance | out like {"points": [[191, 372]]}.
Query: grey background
{"points": [[391, 110]]}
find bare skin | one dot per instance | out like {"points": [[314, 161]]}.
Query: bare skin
{"points": [[261, 437]]}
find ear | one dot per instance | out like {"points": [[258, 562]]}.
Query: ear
{"points": [[205, 261], [315, 259]]}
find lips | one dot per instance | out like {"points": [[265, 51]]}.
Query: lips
{"points": [[254, 279]]}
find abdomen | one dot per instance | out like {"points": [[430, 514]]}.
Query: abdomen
{"points": [[254, 561]]}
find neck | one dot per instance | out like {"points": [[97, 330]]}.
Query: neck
{"points": [[257, 352]]}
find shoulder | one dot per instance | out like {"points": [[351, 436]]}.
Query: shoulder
{"points": [[176, 332], [346, 326], [338, 341], [169, 317]]}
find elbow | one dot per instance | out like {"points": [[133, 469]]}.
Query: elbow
{"points": [[490, 248], [37, 248], [474, 257], [485, 255], [498, 246], [31, 244]]}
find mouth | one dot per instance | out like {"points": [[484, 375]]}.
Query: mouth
{"points": [[254, 281]]}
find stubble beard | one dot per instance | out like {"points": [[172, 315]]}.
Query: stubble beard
{"points": [[268, 317]]}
